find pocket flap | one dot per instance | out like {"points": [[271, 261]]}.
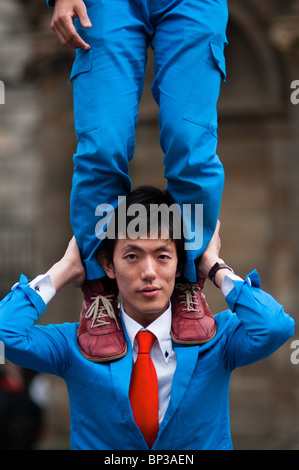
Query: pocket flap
{"points": [[82, 63], [219, 58]]}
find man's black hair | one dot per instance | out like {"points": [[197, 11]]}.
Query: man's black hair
{"points": [[148, 196]]}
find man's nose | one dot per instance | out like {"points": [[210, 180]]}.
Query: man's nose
{"points": [[148, 269]]}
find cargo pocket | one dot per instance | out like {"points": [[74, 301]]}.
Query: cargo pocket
{"points": [[201, 107], [83, 92]]}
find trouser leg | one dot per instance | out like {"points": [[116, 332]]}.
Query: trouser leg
{"points": [[189, 62], [107, 86]]}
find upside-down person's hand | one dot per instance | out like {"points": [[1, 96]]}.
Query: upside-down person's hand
{"points": [[63, 22]]}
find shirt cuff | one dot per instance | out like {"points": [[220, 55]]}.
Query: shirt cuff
{"points": [[228, 283], [44, 287]]}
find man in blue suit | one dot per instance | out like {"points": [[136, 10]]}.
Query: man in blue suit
{"points": [[111, 40], [193, 380]]}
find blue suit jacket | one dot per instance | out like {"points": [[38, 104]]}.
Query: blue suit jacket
{"points": [[198, 413]]}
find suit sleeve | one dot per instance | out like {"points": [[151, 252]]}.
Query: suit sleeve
{"points": [[261, 325], [37, 347]]}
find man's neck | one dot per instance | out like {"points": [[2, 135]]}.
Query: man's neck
{"points": [[160, 327]]}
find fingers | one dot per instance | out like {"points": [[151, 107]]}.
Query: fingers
{"points": [[63, 23], [75, 268], [82, 15], [211, 255], [215, 242], [217, 229]]}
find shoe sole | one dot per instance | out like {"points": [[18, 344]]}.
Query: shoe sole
{"points": [[103, 359], [195, 342]]}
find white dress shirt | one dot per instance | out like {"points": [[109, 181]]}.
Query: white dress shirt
{"points": [[162, 353]]}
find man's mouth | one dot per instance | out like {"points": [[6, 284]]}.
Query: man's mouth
{"points": [[149, 291]]}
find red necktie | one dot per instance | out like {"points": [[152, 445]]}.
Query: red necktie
{"points": [[144, 389]]}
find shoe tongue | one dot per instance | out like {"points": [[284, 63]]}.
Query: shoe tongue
{"points": [[95, 287], [201, 282], [92, 289]]}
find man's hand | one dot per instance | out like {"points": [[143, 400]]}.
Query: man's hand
{"points": [[63, 22], [69, 270], [211, 254], [210, 257]]}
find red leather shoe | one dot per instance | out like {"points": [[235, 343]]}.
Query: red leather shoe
{"points": [[192, 320], [100, 334]]}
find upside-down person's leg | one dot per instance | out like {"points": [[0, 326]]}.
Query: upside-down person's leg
{"points": [[189, 42], [107, 84]]}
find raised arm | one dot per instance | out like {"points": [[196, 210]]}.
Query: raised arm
{"points": [[260, 325], [28, 344]]}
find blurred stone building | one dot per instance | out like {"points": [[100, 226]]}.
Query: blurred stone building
{"points": [[258, 145]]}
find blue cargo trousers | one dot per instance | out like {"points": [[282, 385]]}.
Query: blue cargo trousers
{"points": [[188, 38]]}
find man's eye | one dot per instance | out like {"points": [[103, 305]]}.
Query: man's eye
{"points": [[164, 257], [131, 256]]}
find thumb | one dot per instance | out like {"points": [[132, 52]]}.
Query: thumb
{"points": [[81, 12]]}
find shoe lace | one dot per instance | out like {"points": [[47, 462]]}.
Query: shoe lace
{"points": [[101, 309], [189, 296]]}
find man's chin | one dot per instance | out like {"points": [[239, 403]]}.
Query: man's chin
{"points": [[153, 308]]}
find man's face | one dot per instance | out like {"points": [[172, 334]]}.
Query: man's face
{"points": [[145, 272]]}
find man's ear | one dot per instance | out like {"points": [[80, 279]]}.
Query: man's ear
{"points": [[107, 264]]}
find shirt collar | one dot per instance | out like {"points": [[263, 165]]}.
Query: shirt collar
{"points": [[161, 328]]}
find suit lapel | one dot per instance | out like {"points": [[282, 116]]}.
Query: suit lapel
{"points": [[121, 376], [186, 361], [187, 357]]}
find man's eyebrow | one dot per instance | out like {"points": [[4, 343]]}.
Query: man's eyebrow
{"points": [[131, 246], [165, 247], [136, 247]]}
